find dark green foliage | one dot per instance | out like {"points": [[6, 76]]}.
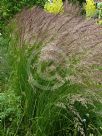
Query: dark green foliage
{"points": [[4, 66]]}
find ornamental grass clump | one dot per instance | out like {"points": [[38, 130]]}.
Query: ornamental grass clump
{"points": [[54, 6]]}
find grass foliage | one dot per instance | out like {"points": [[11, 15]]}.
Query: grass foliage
{"points": [[28, 105], [9, 8], [26, 110]]}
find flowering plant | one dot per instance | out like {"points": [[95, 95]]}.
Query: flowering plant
{"points": [[54, 6], [94, 10], [90, 8]]}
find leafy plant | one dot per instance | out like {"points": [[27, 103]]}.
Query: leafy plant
{"points": [[99, 9], [4, 66], [99, 12], [10, 112]]}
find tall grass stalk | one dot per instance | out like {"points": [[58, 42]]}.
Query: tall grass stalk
{"points": [[71, 109]]}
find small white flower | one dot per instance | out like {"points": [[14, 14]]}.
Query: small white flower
{"points": [[0, 34]]}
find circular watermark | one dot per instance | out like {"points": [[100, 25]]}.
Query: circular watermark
{"points": [[48, 74]]}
